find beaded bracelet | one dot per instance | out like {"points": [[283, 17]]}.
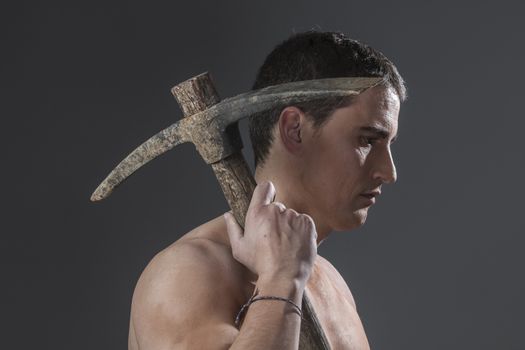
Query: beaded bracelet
{"points": [[255, 298]]}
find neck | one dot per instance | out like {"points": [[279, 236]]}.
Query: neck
{"points": [[293, 197]]}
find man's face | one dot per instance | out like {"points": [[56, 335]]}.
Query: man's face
{"points": [[348, 156]]}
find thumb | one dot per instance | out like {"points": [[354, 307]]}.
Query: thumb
{"points": [[235, 232]]}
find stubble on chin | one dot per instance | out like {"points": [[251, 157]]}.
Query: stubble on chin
{"points": [[353, 221], [360, 217]]}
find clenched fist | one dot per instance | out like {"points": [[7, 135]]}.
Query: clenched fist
{"points": [[278, 243]]}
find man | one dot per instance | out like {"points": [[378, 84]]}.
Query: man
{"points": [[320, 166]]}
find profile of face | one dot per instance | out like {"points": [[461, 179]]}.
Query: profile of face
{"points": [[347, 160]]}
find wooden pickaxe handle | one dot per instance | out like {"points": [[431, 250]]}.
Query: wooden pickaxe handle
{"points": [[237, 183]]}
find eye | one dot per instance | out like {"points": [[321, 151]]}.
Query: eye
{"points": [[367, 141]]}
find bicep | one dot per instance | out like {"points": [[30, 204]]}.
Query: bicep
{"points": [[215, 336], [181, 303]]}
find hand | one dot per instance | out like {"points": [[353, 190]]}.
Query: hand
{"points": [[278, 243]]}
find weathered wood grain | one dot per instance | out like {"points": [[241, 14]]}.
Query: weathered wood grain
{"points": [[206, 127]]}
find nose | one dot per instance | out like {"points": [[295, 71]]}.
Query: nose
{"points": [[385, 169]]}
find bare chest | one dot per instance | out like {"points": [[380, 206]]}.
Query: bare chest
{"points": [[335, 310]]}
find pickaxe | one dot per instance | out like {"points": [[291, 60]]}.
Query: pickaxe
{"points": [[212, 127]]}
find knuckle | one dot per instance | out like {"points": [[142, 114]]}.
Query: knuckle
{"points": [[280, 205], [307, 218], [309, 225], [309, 221], [292, 212], [277, 205]]}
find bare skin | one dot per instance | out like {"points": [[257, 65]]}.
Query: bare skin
{"points": [[189, 294]]}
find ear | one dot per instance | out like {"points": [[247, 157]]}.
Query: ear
{"points": [[291, 124]]}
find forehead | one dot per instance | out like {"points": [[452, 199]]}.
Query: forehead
{"points": [[377, 107]]}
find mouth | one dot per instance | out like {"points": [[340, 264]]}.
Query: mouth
{"points": [[370, 197]]}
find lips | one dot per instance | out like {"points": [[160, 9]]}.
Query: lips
{"points": [[369, 199], [373, 193], [370, 196]]}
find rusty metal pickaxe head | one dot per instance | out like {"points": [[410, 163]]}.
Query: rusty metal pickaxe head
{"points": [[208, 129]]}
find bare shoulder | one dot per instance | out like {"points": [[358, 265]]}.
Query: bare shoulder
{"points": [[333, 274], [175, 301], [335, 307]]}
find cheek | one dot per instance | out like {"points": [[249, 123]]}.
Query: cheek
{"points": [[360, 155], [354, 161], [352, 173], [341, 174], [335, 167]]}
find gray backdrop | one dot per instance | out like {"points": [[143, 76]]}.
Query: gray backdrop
{"points": [[439, 263]]}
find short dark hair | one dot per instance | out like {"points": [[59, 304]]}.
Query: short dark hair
{"points": [[316, 55]]}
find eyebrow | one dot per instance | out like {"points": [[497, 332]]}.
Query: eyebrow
{"points": [[381, 133]]}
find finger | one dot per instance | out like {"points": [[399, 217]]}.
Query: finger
{"points": [[309, 220], [263, 194], [279, 205], [235, 232], [292, 212], [311, 225]]}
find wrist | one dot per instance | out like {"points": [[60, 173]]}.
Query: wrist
{"points": [[292, 289], [283, 290]]}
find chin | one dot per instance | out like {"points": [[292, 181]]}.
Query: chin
{"points": [[360, 217], [356, 220]]}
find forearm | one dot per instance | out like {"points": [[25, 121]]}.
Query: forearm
{"points": [[272, 324]]}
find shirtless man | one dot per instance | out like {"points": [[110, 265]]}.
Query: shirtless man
{"points": [[320, 166]]}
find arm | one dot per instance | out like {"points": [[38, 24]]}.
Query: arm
{"points": [[184, 299], [279, 245], [272, 324]]}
